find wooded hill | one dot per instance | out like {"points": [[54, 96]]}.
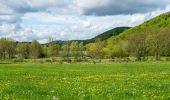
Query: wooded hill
{"points": [[103, 36], [161, 22], [149, 38]]}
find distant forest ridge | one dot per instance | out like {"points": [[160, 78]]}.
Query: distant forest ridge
{"points": [[103, 36]]}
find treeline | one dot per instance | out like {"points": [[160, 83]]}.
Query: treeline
{"points": [[139, 45], [10, 49]]}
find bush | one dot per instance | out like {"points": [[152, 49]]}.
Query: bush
{"points": [[77, 60], [67, 60], [94, 62], [167, 58], [18, 60], [41, 61], [54, 60], [48, 60], [111, 60], [60, 61]]}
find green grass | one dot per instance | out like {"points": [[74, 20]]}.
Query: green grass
{"points": [[134, 81]]}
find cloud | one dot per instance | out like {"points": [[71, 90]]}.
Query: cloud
{"points": [[12, 10], [115, 7], [25, 20], [24, 6]]}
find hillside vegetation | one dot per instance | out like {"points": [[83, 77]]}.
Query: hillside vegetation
{"points": [[151, 38], [161, 23], [108, 34]]}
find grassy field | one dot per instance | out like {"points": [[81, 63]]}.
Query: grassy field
{"points": [[142, 81]]}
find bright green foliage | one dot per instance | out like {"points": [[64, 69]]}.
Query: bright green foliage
{"points": [[95, 50], [114, 50], [91, 49], [74, 49], [53, 48], [128, 81], [161, 22], [155, 33]]}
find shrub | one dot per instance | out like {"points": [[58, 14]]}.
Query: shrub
{"points": [[167, 58], [18, 60]]}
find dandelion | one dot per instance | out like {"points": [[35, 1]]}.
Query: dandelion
{"points": [[6, 98], [54, 98], [52, 91]]}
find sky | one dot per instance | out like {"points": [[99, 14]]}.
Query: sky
{"points": [[25, 20]]}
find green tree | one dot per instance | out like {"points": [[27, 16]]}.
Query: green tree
{"points": [[95, 50], [113, 49], [91, 50], [74, 49], [53, 48], [35, 49], [22, 50], [81, 50], [156, 42], [7, 48], [137, 45], [98, 48], [166, 35], [66, 52]]}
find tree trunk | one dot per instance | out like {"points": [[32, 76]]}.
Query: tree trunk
{"points": [[157, 56]]}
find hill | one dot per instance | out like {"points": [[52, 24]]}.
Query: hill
{"points": [[160, 22], [103, 36], [108, 34]]}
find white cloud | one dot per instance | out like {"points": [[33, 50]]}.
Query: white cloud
{"points": [[72, 19], [91, 4], [114, 7]]}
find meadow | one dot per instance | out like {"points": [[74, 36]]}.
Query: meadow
{"points": [[118, 81]]}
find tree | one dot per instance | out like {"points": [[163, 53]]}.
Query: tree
{"points": [[66, 51], [53, 48], [35, 49], [157, 41], [114, 49], [81, 50], [91, 49], [137, 45], [94, 50], [74, 49], [98, 48], [22, 50], [7, 48], [166, 34]]}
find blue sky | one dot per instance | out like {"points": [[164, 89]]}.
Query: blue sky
{"points": [[25, 20]]}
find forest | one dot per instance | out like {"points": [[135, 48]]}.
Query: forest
{"points": [[138, 46]]}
